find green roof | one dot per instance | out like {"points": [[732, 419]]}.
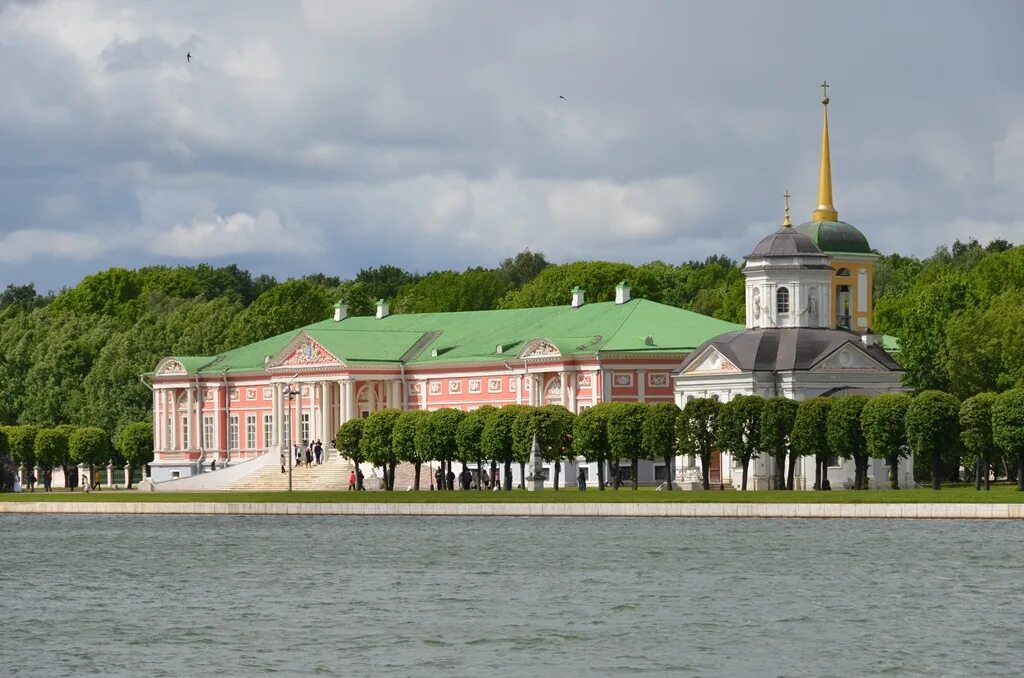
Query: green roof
{"points": [[835, 237], [474, 336]]}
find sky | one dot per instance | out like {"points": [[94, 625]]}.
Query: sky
{"points": [[335, 135]]}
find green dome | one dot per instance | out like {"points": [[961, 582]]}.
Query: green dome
{"points": [[835, 236]]}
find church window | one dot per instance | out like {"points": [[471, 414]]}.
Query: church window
{"points": [[782, 300], [844, 272]]}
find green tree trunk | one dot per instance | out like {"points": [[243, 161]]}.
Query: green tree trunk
{"points": [[416, 477], [494, 473], [780, 473], [824, 472], [977, 474], [479, 474], [616, 477], [988, 473], [743, 481], [705, 470], [791, 471], [634, 468], [1020, 470], [508, 476], [600, 476], [391, 476], [668, 471], [817, 473], [936, 471], [894, 472], [558, 472]]}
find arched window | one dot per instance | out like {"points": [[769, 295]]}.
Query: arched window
{"points": [[782, 300], [844, 272]]}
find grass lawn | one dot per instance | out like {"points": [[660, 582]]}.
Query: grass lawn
{"points": [[999, 494]]}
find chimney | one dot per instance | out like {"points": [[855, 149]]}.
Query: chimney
{"points": [[870, 339], [621, 293], [577, 296], [382, 309], [340, 312]]}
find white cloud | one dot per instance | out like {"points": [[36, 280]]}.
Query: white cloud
{"points": [[239, 233], [359, 20], [25, 245], [1009, 156]]}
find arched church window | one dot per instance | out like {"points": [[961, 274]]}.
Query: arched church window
{"points": [[843, 272], [782, 300]]}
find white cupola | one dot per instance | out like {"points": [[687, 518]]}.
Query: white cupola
{"points": [[789, 281]]}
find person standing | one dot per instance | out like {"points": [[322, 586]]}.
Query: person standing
{"points": [[352, 480], [451, 477], [48, 480], [439, 478], [465, 478], [581, 479], [318, 450]]}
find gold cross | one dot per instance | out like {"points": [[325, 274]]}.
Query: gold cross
{"points": [[787, 196], [824, 88]]}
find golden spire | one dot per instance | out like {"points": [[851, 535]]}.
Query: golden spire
{"points": [[825, 211], [786, 222]]}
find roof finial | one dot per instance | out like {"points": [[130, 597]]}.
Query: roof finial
{"points": [[786, 222], [825, 211]]}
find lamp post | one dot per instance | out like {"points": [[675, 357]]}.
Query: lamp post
{"points": [[289, 394]]}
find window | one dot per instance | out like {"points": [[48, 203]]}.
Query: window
{"points": [[250, 431], [782, 300], [286, 430], [233, 432], [208, 441], [305, 427], [843, 272], [625, 474], [268, 431], [184, 433]]}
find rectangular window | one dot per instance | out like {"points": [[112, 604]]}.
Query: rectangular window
{"points": [[184, 433], [233, 432], [625, 474], [305, 428], [208, 441], [250, 431], [268, 431], [286, 430]]}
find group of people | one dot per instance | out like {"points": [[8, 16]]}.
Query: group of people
{"points": [[31, 480]]}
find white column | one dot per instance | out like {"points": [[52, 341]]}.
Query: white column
{"points": [[190, 408], [396, 395], [641, 385], [573, 404], [158, 433], [595, 376], [342, 401], [325, 413], [350, 398], [173, 422], [275, 416], [424, 390], [201, 441], [520, 383], [218, 443], [564, 380]]}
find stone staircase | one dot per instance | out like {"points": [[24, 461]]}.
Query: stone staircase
{"points": [[331, 475]]}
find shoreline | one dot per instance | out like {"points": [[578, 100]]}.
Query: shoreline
{"points": [[912, 511]]}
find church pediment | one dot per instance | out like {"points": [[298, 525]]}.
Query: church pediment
{"points": [[303, 351], [712, 361], [169, 367], [539, 348], [848, 357]]}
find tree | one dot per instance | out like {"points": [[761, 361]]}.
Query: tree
{"points": [[280, 309], [599, 278], [349, 442], [468, 436], [883, 423], [377, 445], [739, 430], [976, 434], [590, 438], [1008, 427], [625, 436], [697, 432], [846, 435], [558, 444], [810, 436], [777, 417], [52, 447], [385, 281], [89, 445], [496, 441], [404, 441], [22, 442], [447, 291], [523, 268], [437, 435], [135, 442], [933, 429], [353, 294], [6, 463], [659, 435]]}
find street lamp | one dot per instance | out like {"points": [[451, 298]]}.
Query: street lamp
{"points": [[289, 394]]}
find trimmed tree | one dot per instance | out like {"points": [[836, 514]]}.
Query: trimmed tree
{"points": [[496, 440], [777, 417], [846, 436], [377, 445], [1008, 427], [22, 441], [810, 436], [976, 434], [590, 438], [437, 436], [468, 435], [883, 422], [6, 463], [697, 432], [659, 435], [135, 441], [52, 447], [739, 430], [933, 429], [349, 442], [404, 441], [90, 446], [560, 441], [625, 435]]}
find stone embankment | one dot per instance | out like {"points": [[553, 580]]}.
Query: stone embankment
{"points": [[638, 510]]}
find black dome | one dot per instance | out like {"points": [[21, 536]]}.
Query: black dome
{"points": [[786, 242]]}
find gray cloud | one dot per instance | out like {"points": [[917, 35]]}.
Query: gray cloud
{"points": [[431, 134]]}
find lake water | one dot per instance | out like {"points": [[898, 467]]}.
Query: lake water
{"points": [[240, 596]]}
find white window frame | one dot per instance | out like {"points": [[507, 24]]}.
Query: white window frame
{"points": [[233, 432], [250, 431], [268, 431]]}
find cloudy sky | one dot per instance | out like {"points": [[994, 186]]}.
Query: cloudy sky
{"points": [[332, 135]]}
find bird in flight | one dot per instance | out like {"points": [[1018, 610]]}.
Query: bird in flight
{"points": [[188, 57], [563, 98]]}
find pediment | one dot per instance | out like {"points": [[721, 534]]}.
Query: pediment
{"points": [[848, 357], [539, 348], [303, 351], [712, 361], [169, 367]]}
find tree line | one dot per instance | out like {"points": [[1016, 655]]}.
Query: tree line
{"points": [[984, 433]]}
